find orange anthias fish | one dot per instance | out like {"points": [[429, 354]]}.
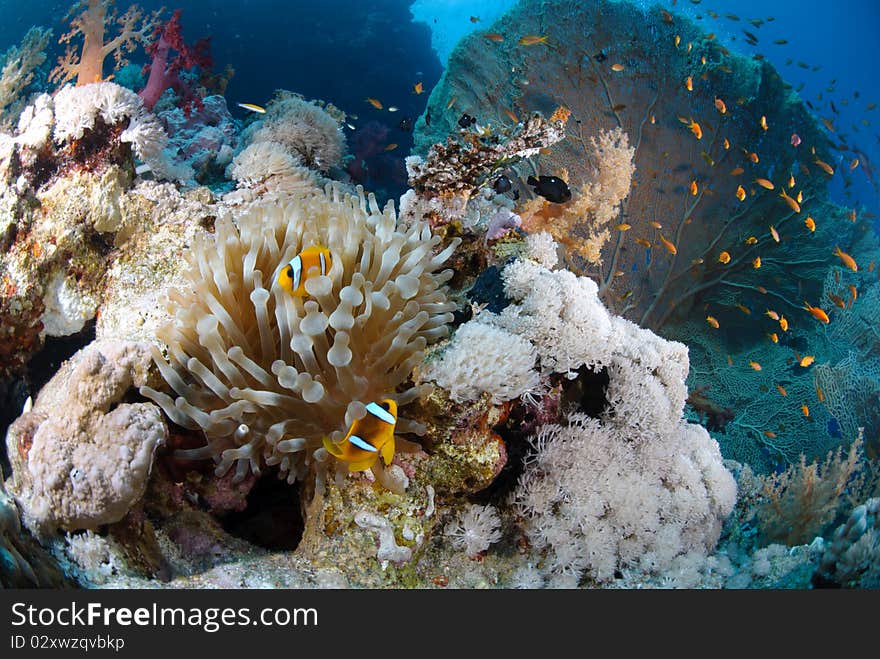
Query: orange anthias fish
{"points": [[493, 36], [854, 292], [764, 122], [694, 188], [726, 144], [810, 223], [774, 337], [736, 171], [368, 438], [755, 365], [668, 245], [774, 233], [806, 360], [805, 409], [783, 323], [617, 67], [854, 163], [720, 105], [754, 157], [751, 240], [689, 83], [756, 263], [764, 183], [644, 243], [375, 102], [846, 259], [781, 390], [712, 322], [724, 257], [532, 39], [771, 314], [838, 301], [791, 180], [796, 207], [740, 193], [391, 147], [418, 88], [828, 169], [696, 130], [818, 313]]}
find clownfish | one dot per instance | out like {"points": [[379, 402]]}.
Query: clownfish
{"points": [[293, 276], [368, 438]]}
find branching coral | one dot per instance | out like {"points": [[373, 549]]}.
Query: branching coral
{"points": [[91, 23], [267, 375], [17, 66]]}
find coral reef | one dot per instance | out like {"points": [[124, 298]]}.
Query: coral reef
{"points": [[852, 558], [82, 456]]}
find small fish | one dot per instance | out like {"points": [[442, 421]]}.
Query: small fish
{"points": [[810, 223], [510, 115], [466, 121], [753, 157], [624, 227], [253, 107], [375, 102], [351, 126], [618, 107], [368, 438], [764, 122], [689, 83], [806, 361], [756, 262], [724, 257], [712, 322], [769, 433], [755, 365], [854, 292], [761, 290], [805, 410], [751, 240], [726, 144], [794, 205], [852, 215], [705, 156], [667, 17], [846, 259], [668, 245], [694, 189], [744, 309], [737, 171], [771, 314], [677, 40], [781, 42], [820, 395], [783, 323], [391, 147], [795, 140], [406, 124], [294, 275], [781, 390], [764, 183], [552, 188], [838, 301], [418, 88], [774, 233], [800, 196], [644, 243], [502, 184], [655, 224], [740, 193], [720, 105], [828, 169], [774, 337], [617, 67], [791, 181], [653, 120], [493, 36], [531, 40], [854, 163], [818, 313], [475, 19]]}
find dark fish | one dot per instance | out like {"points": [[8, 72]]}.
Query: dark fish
{"points": [[428, 118], [502, 184], [466, 121], [751, 36], [600, 56], [618, 107], [406, 125], [552, 188]]}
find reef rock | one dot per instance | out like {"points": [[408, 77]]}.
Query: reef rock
{"points": [[81, 456]]}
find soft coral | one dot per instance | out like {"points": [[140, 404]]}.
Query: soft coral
{"points": [[165, 74]]}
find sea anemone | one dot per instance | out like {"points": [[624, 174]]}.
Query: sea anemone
{"points": [[266, 375]]}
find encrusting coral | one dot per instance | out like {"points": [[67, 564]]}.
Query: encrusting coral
{"points": [[267, 375]]}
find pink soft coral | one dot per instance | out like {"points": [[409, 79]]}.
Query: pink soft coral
{"points": [[165, 74]]}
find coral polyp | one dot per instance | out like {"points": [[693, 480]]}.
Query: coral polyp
{"points": [[266, 375]]}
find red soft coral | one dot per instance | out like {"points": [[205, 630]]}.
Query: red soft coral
{"points": [[165, 74]]}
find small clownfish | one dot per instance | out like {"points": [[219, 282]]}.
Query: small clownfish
{"points": [[293, 276], [368, 438]]}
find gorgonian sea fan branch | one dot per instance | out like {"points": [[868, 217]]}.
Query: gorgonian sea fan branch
{"points": [[265, 375]]}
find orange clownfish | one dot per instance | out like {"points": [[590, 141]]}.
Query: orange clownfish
{"points": [[294, 275], [368, 438]]}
